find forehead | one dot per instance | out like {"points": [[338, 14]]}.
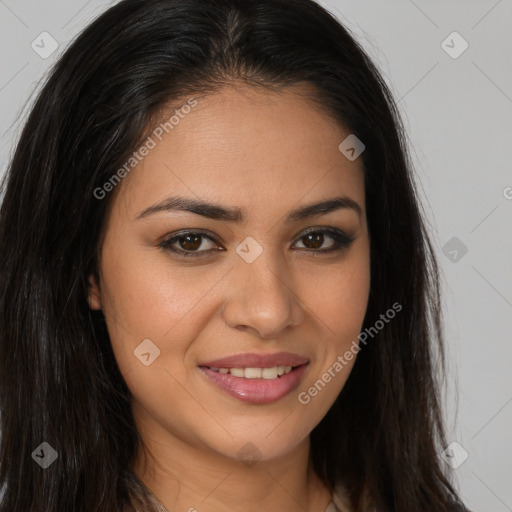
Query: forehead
{"points": [[254, 146]]}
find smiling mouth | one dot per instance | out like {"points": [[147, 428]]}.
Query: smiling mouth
{"points": [[256, 385], [274, 372]]}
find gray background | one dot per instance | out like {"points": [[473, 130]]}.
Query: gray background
{"points": [[457, 112]]}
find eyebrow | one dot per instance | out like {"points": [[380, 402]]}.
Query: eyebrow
{"points": [[237, 215]]}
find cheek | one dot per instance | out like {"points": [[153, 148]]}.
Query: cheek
{"points": [[339, 306], [338, 296], [151, 287], [144, 298], [345, 301], [339, 303], [148, 299]]}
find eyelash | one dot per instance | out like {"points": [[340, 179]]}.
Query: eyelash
{"points": [[342, 241]]}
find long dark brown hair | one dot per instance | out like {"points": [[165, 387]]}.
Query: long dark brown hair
{"points": [[59, 380]]}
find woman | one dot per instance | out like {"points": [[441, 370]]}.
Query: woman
{"points": [[218, 292]]}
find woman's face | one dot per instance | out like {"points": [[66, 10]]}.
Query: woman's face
{"points": [[255, 283]]}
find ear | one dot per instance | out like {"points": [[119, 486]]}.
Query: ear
{"points": [[94, 295]]}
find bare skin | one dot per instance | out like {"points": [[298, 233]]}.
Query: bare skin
{"points": [[266, 153]]}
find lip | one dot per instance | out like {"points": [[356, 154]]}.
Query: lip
{"points": [[254, 360], [256, 391]]}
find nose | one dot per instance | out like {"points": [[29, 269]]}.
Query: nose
{"points": [[262, 298]]}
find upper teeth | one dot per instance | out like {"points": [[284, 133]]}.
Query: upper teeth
{"points": [[256, 373]]}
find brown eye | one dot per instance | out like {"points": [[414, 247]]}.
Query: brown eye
{"points": [[189, 243], [314, 239]]}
